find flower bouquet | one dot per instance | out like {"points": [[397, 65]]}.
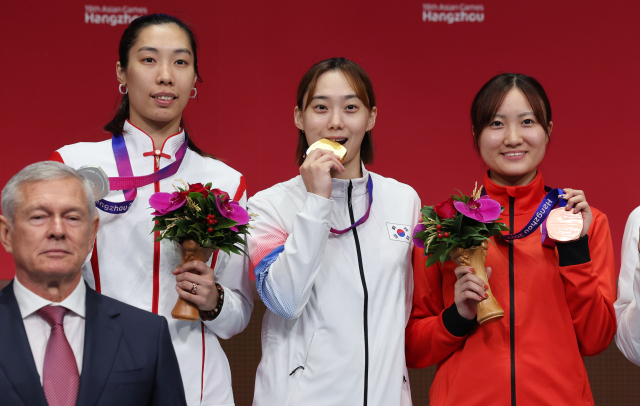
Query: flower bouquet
{"points": [[458, 229], [200, 220]]}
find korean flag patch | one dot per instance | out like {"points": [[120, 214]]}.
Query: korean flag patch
{"points": [[399, 232]]}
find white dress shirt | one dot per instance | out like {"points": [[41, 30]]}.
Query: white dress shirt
{"points": [[38, 330]]}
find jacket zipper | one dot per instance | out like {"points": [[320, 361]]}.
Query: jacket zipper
{"points": [[512, 312], [156, 253], [366, 297]]}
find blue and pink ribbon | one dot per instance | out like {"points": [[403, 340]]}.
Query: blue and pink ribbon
{"points": [[539, 218], [129, 183], [366, 215]]}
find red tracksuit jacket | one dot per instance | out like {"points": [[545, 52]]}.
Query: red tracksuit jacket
{"points": [[558, 307]]}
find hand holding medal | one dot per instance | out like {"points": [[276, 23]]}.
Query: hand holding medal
{"points": [[571, 222], [322, 157]]}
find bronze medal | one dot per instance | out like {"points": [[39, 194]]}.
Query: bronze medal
{"points": [[563, 225]]}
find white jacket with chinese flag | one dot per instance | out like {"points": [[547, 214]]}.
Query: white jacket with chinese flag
{"points": [[127, 265]]}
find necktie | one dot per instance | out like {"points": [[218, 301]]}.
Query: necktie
{"points": [[60, 378]]}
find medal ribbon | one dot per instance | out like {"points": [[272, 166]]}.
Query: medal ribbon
{"points": [[539, 218], [366, 215], [129, 183]]}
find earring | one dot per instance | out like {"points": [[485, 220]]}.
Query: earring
{"points": [[126, 90], [195, 94], [302, 131]]}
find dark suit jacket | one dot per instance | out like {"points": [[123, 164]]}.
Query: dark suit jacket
{"points": [[128, 357]]}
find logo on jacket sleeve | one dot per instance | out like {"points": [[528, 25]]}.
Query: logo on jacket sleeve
{"points": [[399, 232]]}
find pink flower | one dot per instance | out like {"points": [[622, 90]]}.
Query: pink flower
{"points": [[166, 202], [446, 209], [418, 229], [230, 209], [484, 209]]}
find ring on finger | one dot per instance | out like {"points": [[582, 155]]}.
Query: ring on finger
{"points": [[194, 288]]}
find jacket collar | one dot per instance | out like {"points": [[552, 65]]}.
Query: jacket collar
{"points": [[139, 142], [101, 340], [339, 187], [16, 358], [527, 197]]}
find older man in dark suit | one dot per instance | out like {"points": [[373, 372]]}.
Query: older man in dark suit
{"points": [[61, 343]]}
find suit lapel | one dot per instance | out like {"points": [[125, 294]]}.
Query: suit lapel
{"points": [[16, 358], [101, 341]]}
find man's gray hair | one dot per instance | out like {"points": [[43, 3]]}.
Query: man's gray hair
{"points": [[40, 171]]}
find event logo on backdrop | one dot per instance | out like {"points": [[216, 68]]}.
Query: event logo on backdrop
{"points": [[112, 15], [452, 13]]}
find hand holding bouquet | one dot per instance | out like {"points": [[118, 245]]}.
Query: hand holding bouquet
{"points": [[458, 229], [199, 219]]}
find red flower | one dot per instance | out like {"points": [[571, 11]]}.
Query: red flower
{"points": [[446, 209], [197, 188], [218, 192]]}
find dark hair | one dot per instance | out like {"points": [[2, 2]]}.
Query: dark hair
{"points": [[361, 84], [490, 97], [129, 38]]}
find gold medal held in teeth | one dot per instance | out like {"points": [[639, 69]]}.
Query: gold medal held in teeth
{"points": [[329, 145]]}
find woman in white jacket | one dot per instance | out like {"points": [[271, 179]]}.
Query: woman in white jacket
{"points": [[157, 71], [627, 310], [332, 251]]}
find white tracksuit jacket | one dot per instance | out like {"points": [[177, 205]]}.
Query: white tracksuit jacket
{"points": [[627, 305], [135, 270], [320, 314]]}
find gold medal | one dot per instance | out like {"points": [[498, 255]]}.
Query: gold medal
{"points": [[329, 145], [563, 225]]}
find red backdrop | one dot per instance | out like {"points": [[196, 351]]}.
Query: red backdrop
{"points": [[59, 84]]}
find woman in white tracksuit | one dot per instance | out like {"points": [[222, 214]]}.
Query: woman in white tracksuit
{"points": [[338, 301], [157, 73], [628, 304]]}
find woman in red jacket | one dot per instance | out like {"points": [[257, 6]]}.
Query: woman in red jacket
{"points": [[558, 303]]}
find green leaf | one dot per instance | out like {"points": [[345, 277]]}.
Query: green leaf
{"points": [[431, 260], [457, 224], [224, 222], [202, 203], [428, 211], [468, 232], [440, 249], [159, 227], [451, 247], [443, 257], [183, 225]]}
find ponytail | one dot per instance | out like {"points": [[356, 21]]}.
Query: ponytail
{"points": [[116, 125]]}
